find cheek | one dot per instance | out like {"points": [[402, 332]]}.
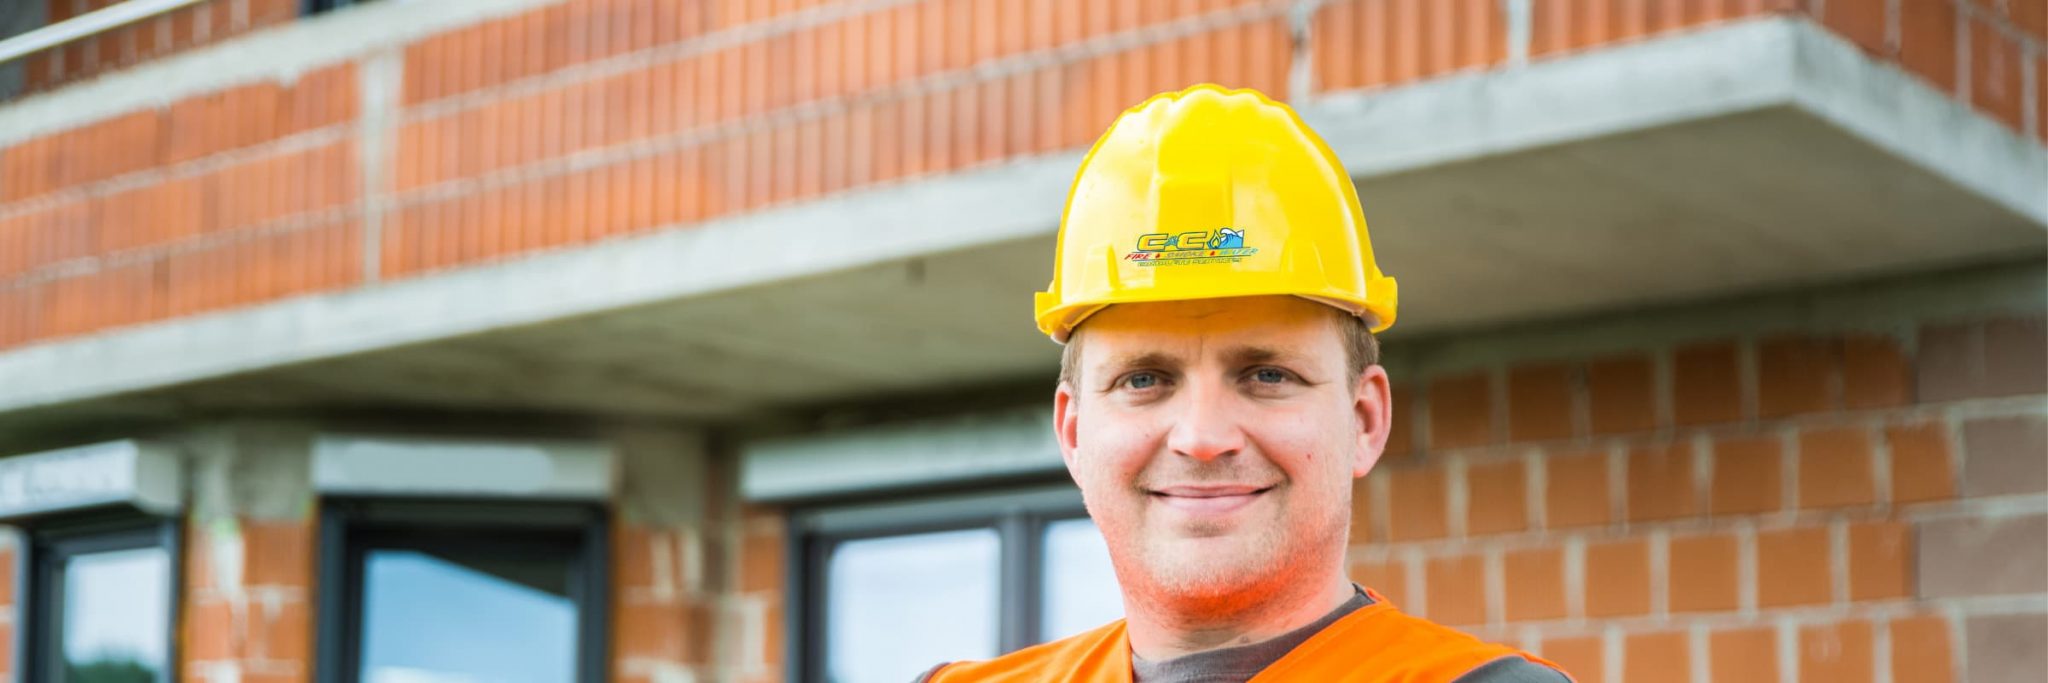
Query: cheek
{"points": [[1113, 448], [1307, 442]]}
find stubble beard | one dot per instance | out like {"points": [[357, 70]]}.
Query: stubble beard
{"points": [[1222, 585]]}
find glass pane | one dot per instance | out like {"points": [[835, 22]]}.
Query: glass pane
{"points": [[899, 605], [1080, 585], [452, 617], [117, 612]]}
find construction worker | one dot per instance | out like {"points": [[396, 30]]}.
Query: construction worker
{"points": [[1219, 393]]}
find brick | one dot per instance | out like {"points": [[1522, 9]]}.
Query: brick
{"points": [[1621, 394], [1748, 476], [2007, 455], [1460, 411], [1400, 436], [1971, 556], [1793, 374], [1584, 657], [1498, 495], [1706, 383], [1660, 483], [1657, 657], [1540, 403], [1365, 525], [283, 632], [1836, 652], [2041, 95], [1927, 41], [1388, 578], [1835, 468], [1743, 656], [1456, 588], [1617, 579], [2031, 17], [1950, 362], [279, 553], [1996, 87], [209, 631], [1862, 23], [1880, 560], [1792, 567], [2006, 647], [2014, 364], [1920, 650], [633, 553], [1874, 373], [655, 630], [762, 563], [1981, 360], [1419, 507], [1703, 573], [1921, 467], [771, 634], [1535, 584], [1576, 490]]}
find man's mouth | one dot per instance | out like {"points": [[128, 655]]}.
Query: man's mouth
{"points": [[1208, 498]]}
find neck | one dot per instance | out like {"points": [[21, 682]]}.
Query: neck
{"points": [[1162, 629]]}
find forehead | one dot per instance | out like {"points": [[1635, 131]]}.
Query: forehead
{"points": [[1185, 327]]}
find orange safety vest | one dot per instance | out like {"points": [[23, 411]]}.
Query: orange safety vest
{"points": [[1376, 644]]}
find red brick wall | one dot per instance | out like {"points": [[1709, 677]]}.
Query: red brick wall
{"points": [[169, 33], [1833, 504], [676, 112], [248, 602]]}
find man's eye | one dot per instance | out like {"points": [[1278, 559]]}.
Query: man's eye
{"points": [[1142, 380], [1269, 376]]}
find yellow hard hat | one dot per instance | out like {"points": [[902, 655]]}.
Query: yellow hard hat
{"points": [[1208, 193]]}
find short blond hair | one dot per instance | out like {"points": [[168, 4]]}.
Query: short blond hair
{"points": [[1361, 348]]}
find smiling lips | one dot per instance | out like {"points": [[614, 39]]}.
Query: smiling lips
{"points": [[1210, 498]]}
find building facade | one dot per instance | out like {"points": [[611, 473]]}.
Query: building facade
{"points": [[667, 340]]}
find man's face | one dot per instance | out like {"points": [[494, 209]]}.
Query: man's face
{"points": [[1215, 442]]}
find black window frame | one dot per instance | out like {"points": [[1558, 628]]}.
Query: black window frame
{"points": [[351, 527], [1020, 516], [49, 541], [311, 7]]}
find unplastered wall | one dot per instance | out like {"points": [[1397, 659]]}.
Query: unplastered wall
{"points": [[1844, 484]]}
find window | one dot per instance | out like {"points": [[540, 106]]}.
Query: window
{"points": [[895, 588], [318, 6], [102, 600], [434, 591]]}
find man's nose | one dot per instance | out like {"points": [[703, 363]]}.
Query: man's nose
{"points": [[1206, 427]]}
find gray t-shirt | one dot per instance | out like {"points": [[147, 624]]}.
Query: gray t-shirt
{"points": [[1240, 664]]}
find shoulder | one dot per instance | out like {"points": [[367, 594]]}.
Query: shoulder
{"points": [[1383, 643], [1103, 649]]}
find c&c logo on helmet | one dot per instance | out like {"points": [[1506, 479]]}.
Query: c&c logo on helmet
{"points": [[1224, 245]]}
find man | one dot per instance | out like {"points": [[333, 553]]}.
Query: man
{"points": [[1219, 393]]}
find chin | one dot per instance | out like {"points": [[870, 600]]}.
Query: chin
{"points": [[1217, 572]]}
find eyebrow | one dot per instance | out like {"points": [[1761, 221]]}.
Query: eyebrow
{"points": [[1254, 355], [1239, 356], [1148, 359]]}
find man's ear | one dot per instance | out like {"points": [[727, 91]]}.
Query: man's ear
{"points": [[1373, 402], [1066, 423]]}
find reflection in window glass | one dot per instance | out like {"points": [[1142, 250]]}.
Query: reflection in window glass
{"points": [[116, 623], [465, 618], [1080, 585], [899, 605]]}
